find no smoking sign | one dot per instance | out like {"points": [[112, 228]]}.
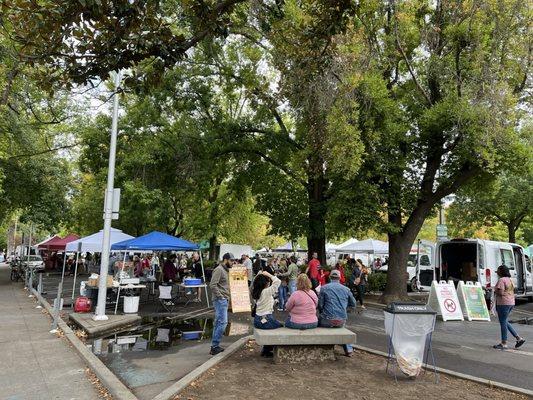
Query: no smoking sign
{"points": [[449, 305]]}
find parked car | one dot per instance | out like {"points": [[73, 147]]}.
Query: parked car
{"points": [[34, 261]]}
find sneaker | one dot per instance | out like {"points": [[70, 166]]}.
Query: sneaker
{"points": [[363, 308], [215, 350], [500, 346], [519, 343]]}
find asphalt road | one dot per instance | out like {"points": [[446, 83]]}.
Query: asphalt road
{"points": [[464, 347]]}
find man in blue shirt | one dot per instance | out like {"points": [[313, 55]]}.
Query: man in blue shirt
{"points": [[333, 301]]}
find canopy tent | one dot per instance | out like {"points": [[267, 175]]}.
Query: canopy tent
{"points": [[42, 245], [347, 243], [287, 247], [162, 242], [156, 241], [369, 246], [331, 247], [93, 243], [58, 244]]}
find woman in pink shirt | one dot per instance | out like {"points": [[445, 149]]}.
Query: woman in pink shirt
{"points": [[504, 291], [302, 305]]}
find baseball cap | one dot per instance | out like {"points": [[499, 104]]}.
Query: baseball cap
{"points": [[228, 256], [335, 274]]}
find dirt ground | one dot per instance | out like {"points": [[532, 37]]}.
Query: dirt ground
{"points": [[246, 375]]}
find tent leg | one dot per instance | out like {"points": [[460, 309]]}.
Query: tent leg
{"points": [[59, 293], [203, 275], [75, 274]]}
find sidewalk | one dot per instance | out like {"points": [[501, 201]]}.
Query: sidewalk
{"points": [[34, 363]]}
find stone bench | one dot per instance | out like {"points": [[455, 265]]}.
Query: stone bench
{"points": [[296, 346]]}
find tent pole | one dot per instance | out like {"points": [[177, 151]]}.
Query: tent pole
{"points": [[119, 279], [58, 297], [75, 274], [203, 275]]}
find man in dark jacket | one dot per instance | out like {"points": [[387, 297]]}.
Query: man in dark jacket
{"points": [[219, 286]]}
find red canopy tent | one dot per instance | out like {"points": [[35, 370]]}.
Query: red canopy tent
{"points": [[42, 245], [55, 244]]}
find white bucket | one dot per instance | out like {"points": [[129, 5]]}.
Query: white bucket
{"points": [[131, 304]]}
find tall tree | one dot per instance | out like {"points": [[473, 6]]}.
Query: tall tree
{"points": [[507, 200], [437, 89]]}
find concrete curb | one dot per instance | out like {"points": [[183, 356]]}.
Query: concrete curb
{"points": [[472, 378], [177, 387], [116, 388]]}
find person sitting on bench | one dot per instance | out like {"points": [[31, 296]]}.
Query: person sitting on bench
{"points": [[333, 301], [302, 305]]}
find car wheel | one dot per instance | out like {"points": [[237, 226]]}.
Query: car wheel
{"points": [[414, 285]]}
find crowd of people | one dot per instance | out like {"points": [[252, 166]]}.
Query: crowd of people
{"points": [[313, 295]]}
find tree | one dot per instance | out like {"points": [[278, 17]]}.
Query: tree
{"points": [[437, 90], [506, 200]]}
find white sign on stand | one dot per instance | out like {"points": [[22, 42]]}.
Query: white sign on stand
{"points": [[443, 299]]}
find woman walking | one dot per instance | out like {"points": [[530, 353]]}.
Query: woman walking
{"points": [[264, 288], [359, 278], [302, 305], [505, 301]]}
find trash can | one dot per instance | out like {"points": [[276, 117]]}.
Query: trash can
{"points": [[131, 304], [409, 327]]}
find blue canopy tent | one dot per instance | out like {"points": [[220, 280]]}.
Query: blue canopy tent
{"points": [[156, 241], [159, 241]]}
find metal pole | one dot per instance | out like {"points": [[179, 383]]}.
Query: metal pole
{"points": [[75, 273], [58, 297], [203, 274], [28, 269], [108, 210]]}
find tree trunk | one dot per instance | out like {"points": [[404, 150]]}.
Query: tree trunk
{"points": [[316, 234], [399, 248], [511, 230], [400, 244], [213, 248]]}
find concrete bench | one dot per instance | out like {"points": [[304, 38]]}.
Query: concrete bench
{"points": [[296, 346]]}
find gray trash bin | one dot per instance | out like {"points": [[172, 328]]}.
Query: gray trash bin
{"points": [[409, 327]]}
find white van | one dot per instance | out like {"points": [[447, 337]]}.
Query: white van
{"points": [[477, 260]]}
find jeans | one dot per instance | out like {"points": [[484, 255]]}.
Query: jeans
{"points": [[503, 314], [360, 293], [294, 325], [221, 320], [326, 323], [270, 323], [282, 296], [292, 286]]}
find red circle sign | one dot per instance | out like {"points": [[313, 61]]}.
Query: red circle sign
{"points": [[449, 304]]}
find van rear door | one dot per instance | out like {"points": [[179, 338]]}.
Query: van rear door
{"points": [[507, 259], [425, 266]]}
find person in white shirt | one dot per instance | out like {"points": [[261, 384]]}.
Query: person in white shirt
{"points": [[264, 288]]}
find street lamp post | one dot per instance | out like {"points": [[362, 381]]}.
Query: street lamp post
{"points": [[99, 314]]}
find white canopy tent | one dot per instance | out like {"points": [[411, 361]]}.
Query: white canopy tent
{"points": [[368, 246], [93, 244], [347, 243]]}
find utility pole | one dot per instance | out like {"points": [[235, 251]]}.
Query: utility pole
{"points": [[99, 314]]}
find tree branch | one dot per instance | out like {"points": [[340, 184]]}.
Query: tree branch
{"points": [[50, 150], [404, 56]]}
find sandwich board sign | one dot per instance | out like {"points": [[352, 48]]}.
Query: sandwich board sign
{"points": [[239, 291], [443, 299], [472, 301]]}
